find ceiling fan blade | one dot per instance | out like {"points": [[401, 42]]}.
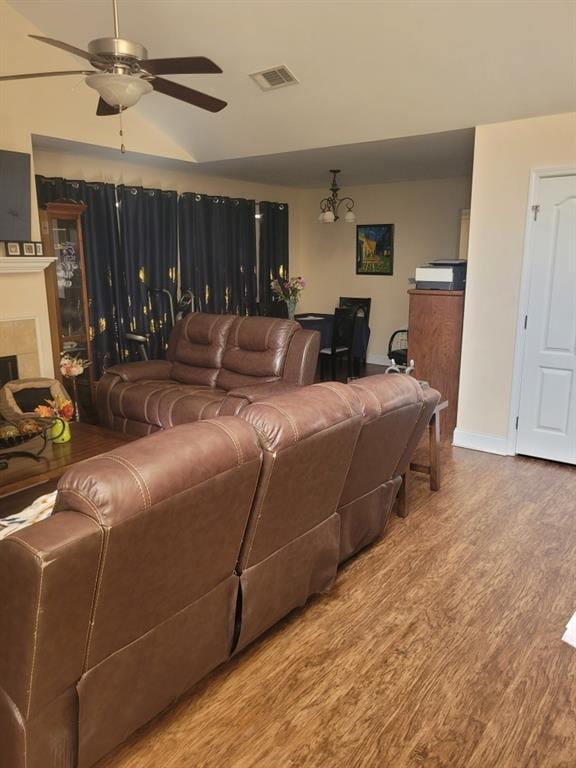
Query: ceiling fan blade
{"points": [[185, 65], [45, 74], [182, 92], [63, 46], [104, 109]]}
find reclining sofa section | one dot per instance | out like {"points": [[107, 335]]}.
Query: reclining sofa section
{"points": [[165, 556], [214, 365]]}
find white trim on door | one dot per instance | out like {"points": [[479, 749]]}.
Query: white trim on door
{"points": [[536, 175]]}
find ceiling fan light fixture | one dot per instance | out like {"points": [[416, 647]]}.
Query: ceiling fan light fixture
{"points": [[119, 90]]}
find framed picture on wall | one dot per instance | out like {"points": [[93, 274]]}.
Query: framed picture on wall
{"points": [[29, 249], [375, 249], [13, 249]]}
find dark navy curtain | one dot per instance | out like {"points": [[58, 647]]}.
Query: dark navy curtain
{"points": [[102, 253], [149, 258], [218, 252], [273, 248]]}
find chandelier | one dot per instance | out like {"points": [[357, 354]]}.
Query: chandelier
{"points": [[329, 206]]}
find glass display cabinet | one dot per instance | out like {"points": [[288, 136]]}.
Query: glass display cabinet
{"points": [[61, 229]]}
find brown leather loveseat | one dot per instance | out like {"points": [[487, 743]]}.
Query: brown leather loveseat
{"points": [[164, 557], [214, 365]]}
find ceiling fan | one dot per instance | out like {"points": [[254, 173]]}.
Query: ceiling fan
{"points": [[123, 73]]}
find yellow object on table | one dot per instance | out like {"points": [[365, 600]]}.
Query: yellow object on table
{"points": [[60, 431]]}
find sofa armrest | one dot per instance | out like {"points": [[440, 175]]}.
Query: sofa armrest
{"points": [[48, 575], [302, 358], [241, 397], [157, 370], [256, 392]]}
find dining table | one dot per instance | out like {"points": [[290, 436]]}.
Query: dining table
{"points": [[324, 323]]}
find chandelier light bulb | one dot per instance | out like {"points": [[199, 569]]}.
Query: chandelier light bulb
{"points": [[349, 217], [328, 217]]}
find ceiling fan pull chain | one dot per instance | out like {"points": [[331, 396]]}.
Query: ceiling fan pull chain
{"points": [[122, 147]]}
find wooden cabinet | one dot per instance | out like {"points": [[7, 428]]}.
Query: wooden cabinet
{"points": [[66, 290], [434, 343]]}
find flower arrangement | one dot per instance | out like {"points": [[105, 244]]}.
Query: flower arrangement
{"points": [[59, 408], [288, 290], [72, 366]]}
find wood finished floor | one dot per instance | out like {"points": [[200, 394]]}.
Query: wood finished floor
{"points": [[439, 646]]}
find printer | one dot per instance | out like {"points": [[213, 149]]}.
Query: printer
{"points": [[442, 275]]}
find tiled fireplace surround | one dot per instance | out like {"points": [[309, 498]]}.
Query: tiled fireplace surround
{"points": [[24, 320], [19, 337]]}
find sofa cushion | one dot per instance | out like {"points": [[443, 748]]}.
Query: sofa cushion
{"points": [[139, 400], [165, 404], [188, 404], [256, 351], [197, 347]]}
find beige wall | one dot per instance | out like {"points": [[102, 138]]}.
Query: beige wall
{"points": [[426, 218], [504, 155]]}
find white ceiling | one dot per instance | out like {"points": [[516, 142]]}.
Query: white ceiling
{"points": [[369, 70], [432, 156]]}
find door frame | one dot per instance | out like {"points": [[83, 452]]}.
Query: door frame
{"points": [[536, 177]]}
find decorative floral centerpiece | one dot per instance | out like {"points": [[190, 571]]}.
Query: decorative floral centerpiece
{"points": [[61, 409], [70, 368], [288, 291]]}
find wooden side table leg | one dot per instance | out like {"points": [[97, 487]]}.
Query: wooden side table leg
{"points": [[435, 460], [402, 498]]}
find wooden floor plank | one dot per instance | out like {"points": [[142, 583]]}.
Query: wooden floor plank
{"points": [[438, 647]]}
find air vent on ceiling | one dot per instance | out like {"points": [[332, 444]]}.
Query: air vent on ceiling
{"points": [[276, 77]]}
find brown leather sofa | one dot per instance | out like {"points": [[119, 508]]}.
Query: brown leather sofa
{"points": [[396, 411], [166, 555], [214, 365]]}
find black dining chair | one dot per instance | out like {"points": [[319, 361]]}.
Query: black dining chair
{"points": [[350, 301], [341, 347], [364, 305]]}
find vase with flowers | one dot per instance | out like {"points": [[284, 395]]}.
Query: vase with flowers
{"points": [[62, 410], [288, 291], [70, 368]]}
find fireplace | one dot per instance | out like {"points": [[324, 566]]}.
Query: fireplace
{"points": [[8, 369], [18, 340]]}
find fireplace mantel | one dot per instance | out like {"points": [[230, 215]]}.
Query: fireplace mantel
{"points": [[20, 264]]}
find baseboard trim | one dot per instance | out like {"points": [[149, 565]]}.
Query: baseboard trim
{"points": [[378, 359], [480, 442]]}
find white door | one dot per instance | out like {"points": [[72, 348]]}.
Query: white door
{"points": [[547, 416]]}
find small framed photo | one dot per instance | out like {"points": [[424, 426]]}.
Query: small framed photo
{"points": [[375, 249], [13, 249], [39, 250], [29, 249]]}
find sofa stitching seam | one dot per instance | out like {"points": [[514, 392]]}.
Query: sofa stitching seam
{"points": [[340, 395], [104, 552], [35, 651], [83, 496], [136, 474], [287, 416], [260, 508], [233, 438]]}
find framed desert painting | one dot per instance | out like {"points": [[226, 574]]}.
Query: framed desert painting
{"points": [[374, 249]]}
